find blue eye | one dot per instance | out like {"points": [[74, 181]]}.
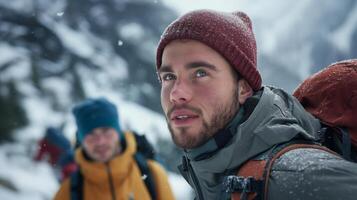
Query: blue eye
{"points": [[168, 77], [201, 73]]}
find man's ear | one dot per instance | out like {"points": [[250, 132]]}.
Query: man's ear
{"points": [[244, 91]]}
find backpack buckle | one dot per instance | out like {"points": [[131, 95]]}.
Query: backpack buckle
{"points": [[239, 184]]}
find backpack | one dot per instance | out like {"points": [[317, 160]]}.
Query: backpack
{"points": [[144, 152], [331, 96], [54, 145]]}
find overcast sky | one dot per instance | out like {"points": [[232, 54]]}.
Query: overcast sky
{"points": [[183, 6]]}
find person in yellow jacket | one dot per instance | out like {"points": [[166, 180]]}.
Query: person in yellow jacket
{"points": [[106, 158]]}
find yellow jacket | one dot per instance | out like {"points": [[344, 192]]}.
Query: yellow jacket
{"points": [[122, 173]]}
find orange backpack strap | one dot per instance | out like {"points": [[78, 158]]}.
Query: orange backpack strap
{"points": [[248, 184], [251, 182]]}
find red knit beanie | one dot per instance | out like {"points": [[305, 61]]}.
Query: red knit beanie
{"points": [[230, 34], [331, 95]]}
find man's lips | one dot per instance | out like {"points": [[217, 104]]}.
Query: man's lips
{"points": [[183, 116]]}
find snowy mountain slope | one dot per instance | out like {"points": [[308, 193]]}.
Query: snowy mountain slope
{"points": [[301, 37], [53, 58]]}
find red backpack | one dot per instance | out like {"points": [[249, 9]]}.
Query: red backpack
{"points": [[331, 96]]}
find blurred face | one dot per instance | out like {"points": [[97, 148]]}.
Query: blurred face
{"points": [[102, 144], [199, 92]]}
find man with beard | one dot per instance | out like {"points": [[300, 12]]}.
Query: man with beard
{"points": [[220, 114], [108, 160]]}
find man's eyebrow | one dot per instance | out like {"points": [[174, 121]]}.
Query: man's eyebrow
{"points": [[192, 65], [201, 64], [165, 68]]}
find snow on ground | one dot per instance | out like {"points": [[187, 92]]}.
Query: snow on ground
{"points": [[180, 187], [21, 178]]}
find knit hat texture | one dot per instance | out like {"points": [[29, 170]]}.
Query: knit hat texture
{"points": [[95, 113], [230, 34]]}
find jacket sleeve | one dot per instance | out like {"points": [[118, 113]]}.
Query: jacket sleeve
{"points": [[163, 188], [63, 193], [312, 174]]}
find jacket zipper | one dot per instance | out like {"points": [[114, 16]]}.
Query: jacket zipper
{"points": [[111, 184], [194, 178]]}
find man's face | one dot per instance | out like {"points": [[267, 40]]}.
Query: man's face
{"points": [[199, 92], [101, 144]]}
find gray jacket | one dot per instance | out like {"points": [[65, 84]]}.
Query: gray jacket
{"points": [[275, 118]]}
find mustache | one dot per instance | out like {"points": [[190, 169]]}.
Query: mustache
{"points": [[187, 107], [100, 148]]}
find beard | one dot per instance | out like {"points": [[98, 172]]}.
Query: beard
{"points": [[102, 153], [222, 115]]}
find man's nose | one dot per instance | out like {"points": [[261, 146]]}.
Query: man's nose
{"points": [[181, 92], [99, 139]]}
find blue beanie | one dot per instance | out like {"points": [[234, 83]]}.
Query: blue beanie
{"points": [[95, 113]]}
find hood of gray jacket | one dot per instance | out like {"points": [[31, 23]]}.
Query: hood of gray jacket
{"points": [[277, 118]]}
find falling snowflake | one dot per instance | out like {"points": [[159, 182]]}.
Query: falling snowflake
{"points": [[144, 176], [60, 14]]}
